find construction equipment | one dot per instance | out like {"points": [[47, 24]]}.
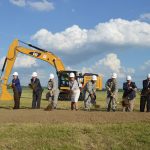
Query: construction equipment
{"points": [[36, 52], [88, 76]]}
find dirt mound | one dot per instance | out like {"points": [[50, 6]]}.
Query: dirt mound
{"points": [[63, 116]]}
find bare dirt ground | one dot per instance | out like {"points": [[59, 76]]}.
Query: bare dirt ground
{"points": [[68, 116]]}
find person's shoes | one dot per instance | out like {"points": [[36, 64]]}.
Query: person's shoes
{"points": [[108, 110], [113, 110]]}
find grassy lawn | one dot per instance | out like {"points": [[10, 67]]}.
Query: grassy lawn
{"points": [[77, 135]]}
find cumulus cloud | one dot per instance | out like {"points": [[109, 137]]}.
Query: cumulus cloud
{"points": [[22, 61], [72, 37], [20, 3], [114, 34], [40, 5], [116, 31], [110, 63]]}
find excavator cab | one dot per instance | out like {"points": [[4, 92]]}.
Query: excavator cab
{"points": [[63, 83]]}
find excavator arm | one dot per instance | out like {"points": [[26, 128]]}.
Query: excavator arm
{"points": [[34, 51]]}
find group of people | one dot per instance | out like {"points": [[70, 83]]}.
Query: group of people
{"points": [[88, 93], [129, 94], [34, 84]]}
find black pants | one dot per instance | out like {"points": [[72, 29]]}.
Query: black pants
{"points": [[36, 101], [145, 101], [17, 96]]}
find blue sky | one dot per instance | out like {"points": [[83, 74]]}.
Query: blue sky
{"points": [[94, 28]]}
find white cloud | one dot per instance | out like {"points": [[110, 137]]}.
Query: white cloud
{"points": [[20, 3], [40, 5], [116, 32], [108, 36], [71, 38], [145, 17], [43, 5], [22, 61], [110, 63]]}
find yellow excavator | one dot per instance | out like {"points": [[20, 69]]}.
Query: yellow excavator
{"points": [[52, 59]]}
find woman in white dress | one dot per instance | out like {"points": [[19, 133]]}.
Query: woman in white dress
{"points": [[74, 91]]}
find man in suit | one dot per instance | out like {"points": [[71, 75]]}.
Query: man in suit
{"points": [[17, 90], [145, 95], [37, 91], [129, 94]]}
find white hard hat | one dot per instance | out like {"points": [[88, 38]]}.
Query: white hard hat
{"points": [[94, 77], [34, 74], [148, 76], [15, 74], [51, 76], [72, 75], [114, 75], [129, 78]]}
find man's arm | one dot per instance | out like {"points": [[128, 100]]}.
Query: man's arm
{"points": [[94, 89], [124, 86], [134, 87], [107, 86], [89, 89], [145, 85], [115, 88]]}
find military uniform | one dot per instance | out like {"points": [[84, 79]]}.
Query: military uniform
{"points": [[17, 90], [145, 96], [37, 92], [89, 94], [53, 94], [129, 96], [112, 90]]}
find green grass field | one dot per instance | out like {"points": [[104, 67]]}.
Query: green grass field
{"points": [[101, 100], [66, 130]]}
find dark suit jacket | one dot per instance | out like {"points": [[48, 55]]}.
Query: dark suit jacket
{"points": [[16, 83], [146, 85], [129, 93], [36, 85]]}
